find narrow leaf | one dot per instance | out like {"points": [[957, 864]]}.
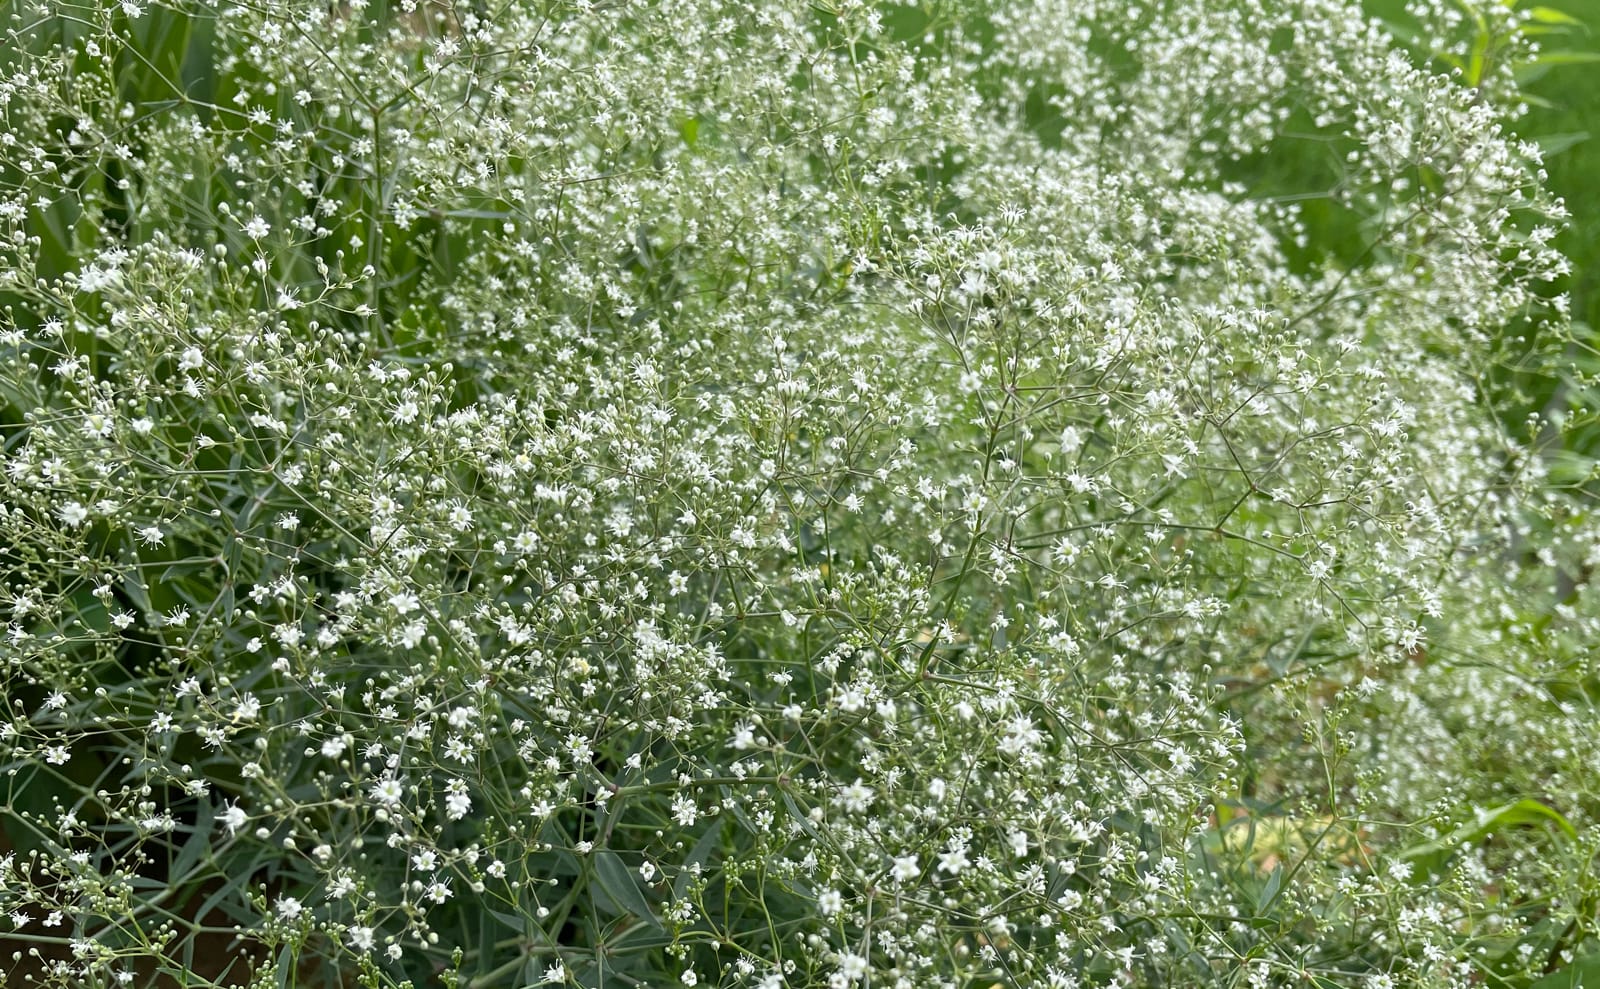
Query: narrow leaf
{"points": [[1567, 57], [1269, 892], [1550, 15], [619, 883]]}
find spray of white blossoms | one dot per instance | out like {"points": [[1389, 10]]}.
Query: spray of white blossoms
{"points": [[788, 494]]}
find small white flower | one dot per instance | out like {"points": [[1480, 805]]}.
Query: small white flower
{"points": [[248, 708], [954, 860], [289, 908], [233, 818], [411, 636], [1019, 844], [72, 514], [387, 791], [852, 966], [906, 868], [684, 811], [856, 798]]}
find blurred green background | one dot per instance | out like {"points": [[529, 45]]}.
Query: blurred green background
{"points": [[1564, 95], [1568, 110]]}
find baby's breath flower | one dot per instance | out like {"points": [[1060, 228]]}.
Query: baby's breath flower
{"points": [[387, 792], [791, 494]]}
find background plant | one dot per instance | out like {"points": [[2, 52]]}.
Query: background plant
{"points": [[788, 494]]}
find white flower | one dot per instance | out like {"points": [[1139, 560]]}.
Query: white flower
{"points": [[387, 791], [852, 967], [830, 902], [1019, 844], [289, 908], [953, 860], [856, 797], [247, 708], [233, 818], [906, 868], [555, 973], [411, 636], [684, 810]]}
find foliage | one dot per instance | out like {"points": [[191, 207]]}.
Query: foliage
{"points": [[786, 494]]}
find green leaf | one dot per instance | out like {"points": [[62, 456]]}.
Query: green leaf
{"points": [[1566, 57], [639, 939], [1581, 974], [285, 966], [1431, 856], [800, 817], [87, 613], [1550, 15], [1554, 144], [198, 844], [1269, 892], [618, 882], [698, 855]]}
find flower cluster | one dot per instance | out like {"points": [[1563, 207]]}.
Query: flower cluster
{"points": [[783, 494]]}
